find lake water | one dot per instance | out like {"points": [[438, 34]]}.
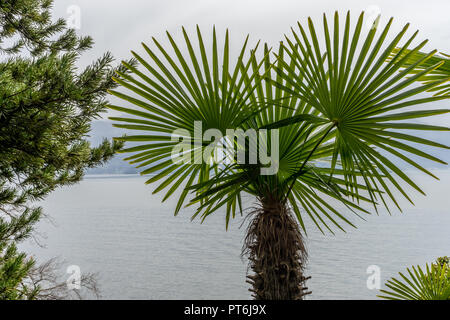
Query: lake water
{"points": [[114, 226]]}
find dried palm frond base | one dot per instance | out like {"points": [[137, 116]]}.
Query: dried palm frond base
{"points": [[276, 253]]}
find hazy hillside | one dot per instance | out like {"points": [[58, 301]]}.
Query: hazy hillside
{"points": [[104, 129]]}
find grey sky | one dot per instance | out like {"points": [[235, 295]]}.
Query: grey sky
{"points": [[122, 25], [119, 26]]}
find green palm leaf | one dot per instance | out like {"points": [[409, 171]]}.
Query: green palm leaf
{"points": [[173, 94], [348, 82], [302, 148], [441, 73], [433, 283]]}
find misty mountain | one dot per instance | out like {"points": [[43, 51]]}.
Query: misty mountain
{"points": [[103, 129]]}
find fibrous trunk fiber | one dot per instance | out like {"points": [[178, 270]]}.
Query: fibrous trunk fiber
{"points": [[276, 252]]}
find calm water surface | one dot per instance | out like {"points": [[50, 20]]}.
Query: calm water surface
{"points": [[114, 226]]}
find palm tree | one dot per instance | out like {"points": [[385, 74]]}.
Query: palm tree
{"points": [[431, 284], [329, 110]]}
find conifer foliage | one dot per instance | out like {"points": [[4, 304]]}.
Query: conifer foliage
{"points": [[46, 107]]}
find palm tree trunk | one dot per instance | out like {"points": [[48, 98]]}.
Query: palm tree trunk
{"points": [[276, 252]]}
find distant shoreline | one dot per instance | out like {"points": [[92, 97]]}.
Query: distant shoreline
{"points": [[112, 175]]}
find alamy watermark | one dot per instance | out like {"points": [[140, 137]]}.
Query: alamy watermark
{"points": [[236, 146], [74, 280], [374, 279], [74, 17]]}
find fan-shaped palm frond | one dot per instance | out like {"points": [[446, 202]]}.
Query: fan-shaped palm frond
{"points": [[302, 146], [347, 81], [179, 97], [441, 73], [431, 284]]}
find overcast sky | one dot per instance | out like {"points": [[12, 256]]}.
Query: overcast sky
{"points": [[120, 26]]}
